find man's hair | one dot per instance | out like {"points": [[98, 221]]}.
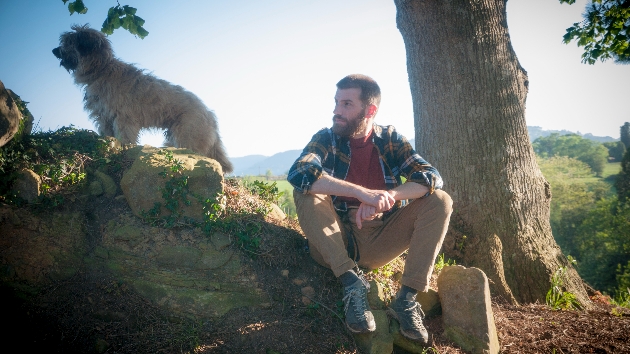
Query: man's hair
{"points": [[370, 92]]}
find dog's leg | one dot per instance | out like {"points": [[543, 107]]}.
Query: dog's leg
{"points": [[127, 134], [200, 134]]}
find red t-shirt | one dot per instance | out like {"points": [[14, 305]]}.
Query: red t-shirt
{"points": [[365, 167]]}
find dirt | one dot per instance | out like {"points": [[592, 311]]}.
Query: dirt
{"points": [[93, 313]]}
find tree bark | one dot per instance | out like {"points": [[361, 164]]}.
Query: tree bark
{"points": [[469, 92]]}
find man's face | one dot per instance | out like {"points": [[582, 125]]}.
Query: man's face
{"points": [[349, 113]]}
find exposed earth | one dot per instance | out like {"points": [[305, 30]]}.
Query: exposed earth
{"points": [[93, 313]]}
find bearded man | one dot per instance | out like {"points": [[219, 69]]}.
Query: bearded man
{"points": [[356, 212]]}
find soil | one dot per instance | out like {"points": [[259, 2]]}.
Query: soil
{"points": [[94, 313]]}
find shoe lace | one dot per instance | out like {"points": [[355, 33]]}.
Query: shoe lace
{"points": [[357, 298], [415, 315]]}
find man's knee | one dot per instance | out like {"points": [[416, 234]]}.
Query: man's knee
{"points": [[443, 199]]}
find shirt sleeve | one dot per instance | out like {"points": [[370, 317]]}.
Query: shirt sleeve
{"points": [[416, 169], [308, 167]]}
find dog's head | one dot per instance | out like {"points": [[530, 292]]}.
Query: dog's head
{"points": [[83, 46]]}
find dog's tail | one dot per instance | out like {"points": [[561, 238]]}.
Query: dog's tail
{"points": [[218, 153]]}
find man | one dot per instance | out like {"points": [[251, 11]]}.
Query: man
{"points": [[351, 206]]}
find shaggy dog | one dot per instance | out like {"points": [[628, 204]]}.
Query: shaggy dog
{"points": [[122, 99]]}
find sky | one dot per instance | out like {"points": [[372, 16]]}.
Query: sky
{"points": [[268, 68]]}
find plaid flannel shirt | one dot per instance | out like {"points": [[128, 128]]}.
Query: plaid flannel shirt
{"points": [[328, 153]]}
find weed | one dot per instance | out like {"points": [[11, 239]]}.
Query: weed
{"points": [[387, 271], [460, 244], [558, 299], [440, 263], [622, 298]]}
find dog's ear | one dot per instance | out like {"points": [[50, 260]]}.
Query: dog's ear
{"points": [[88, 42]]}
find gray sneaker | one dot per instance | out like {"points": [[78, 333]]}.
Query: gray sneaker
{"points": [[409, 315], [359, 318]]}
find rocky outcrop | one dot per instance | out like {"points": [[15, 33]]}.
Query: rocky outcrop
{"points": [[466, 309], [185, 271], [182, 270], [9, 116], [144, 183]]}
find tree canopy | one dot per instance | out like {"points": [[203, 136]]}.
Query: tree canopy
{"points": [[604, 31], [117, 16], [572, 145]]}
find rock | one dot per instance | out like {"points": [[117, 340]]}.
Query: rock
{"points": [[376, 296], [9, 116], [466, 309], [430, 303], [95, 188], [220, 241], [276, 213], [308, 291], [285, 273], [26, 185], [380, 341], [142, 184], [107, 184]]}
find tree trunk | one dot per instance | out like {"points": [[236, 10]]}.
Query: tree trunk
{"points": [[469, 93]]}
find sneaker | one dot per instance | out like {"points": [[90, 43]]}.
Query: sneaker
{"points": [[359, 318], [409, 314]]}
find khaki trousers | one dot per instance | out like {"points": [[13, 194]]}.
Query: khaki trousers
{"points": [[419, 227]]}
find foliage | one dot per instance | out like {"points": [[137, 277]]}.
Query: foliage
{"points": [[588, 221], [574, 193], [58, 157], [602, 244], [440, 263], [557, 298], [117, 16], [572, 145], [622, 183], [616, 149], [624, 134], [174, 192], [604, 31]]}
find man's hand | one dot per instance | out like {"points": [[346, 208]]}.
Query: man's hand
{"points": [[365, 212], [379, 199]]}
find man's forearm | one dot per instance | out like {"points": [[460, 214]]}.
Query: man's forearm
{"points": [[409, 190], [382, 200], [333, 186]]}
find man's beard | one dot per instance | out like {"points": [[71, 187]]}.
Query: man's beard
{"points": [[354, 125]]}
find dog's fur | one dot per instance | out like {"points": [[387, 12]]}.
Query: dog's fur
{"points": [[122, 100]]}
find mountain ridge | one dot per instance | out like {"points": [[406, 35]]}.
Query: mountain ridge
{"points": [[279, 163]]}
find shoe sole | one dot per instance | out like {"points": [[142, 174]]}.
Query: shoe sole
{"points": [[392, 314]]}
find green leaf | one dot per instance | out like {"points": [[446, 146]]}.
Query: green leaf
{"points": [[129, 10], [78, 7]]}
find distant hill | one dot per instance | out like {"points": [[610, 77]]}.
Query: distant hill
{"points": [[537, 132], [257, 165], [279, 164]]}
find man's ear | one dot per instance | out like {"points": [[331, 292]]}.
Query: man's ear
{"points": [[370, 111]]}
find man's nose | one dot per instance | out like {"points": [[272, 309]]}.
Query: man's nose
{"points": [[336, 110]]}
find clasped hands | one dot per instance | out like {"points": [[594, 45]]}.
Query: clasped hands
{"points": [[373, 202]]}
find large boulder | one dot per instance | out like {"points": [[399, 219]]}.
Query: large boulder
{"points": [[144, 184], [9, 116], [466, 309], [27, 116]]}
